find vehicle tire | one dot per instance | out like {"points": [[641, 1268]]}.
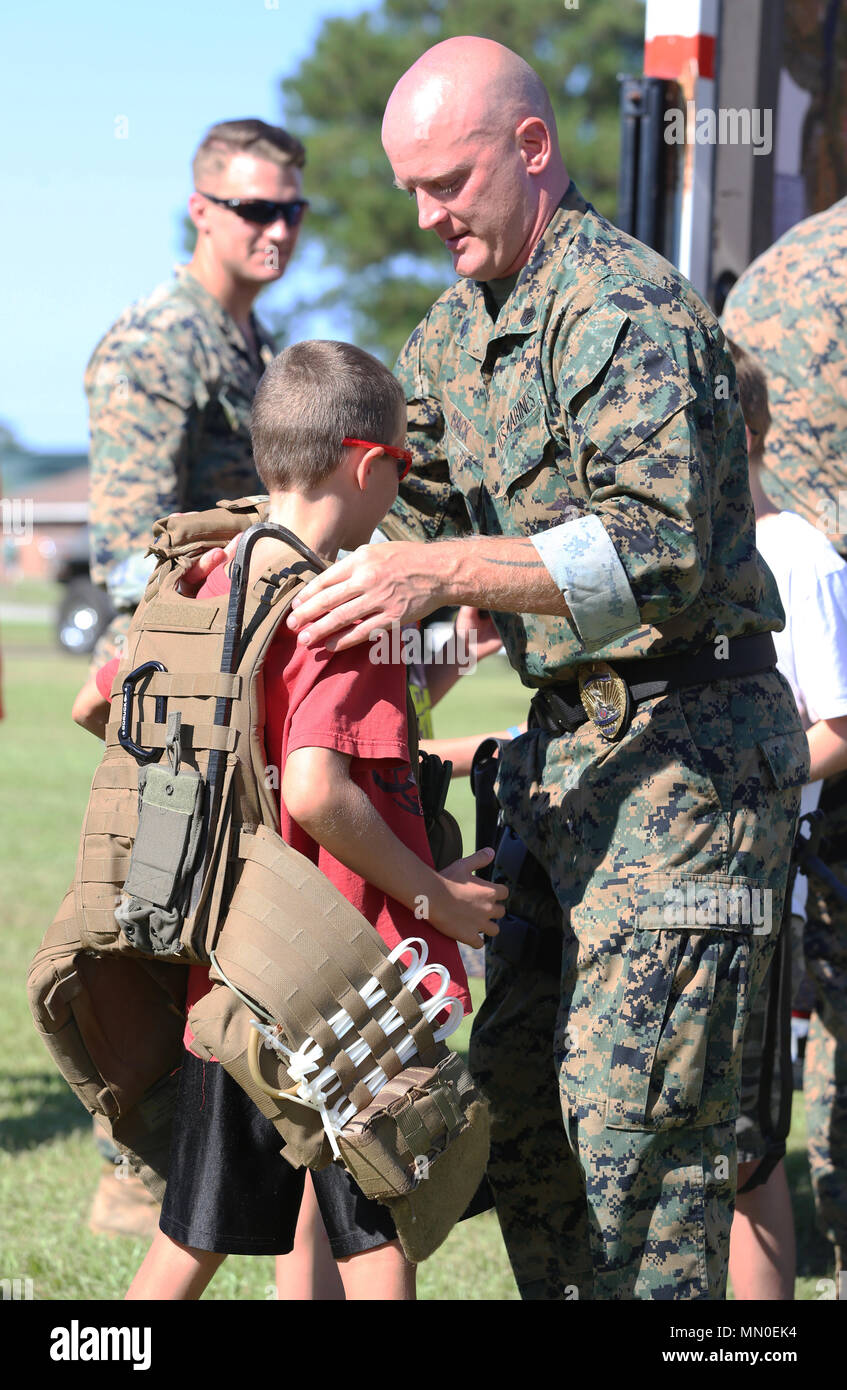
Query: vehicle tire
{"points": [[84, 613]]}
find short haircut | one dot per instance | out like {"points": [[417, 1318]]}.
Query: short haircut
{"points": [[753, 390], [313, 395], [229, 138]]}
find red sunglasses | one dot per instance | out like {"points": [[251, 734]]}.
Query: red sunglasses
{"points": [[402, 455]]}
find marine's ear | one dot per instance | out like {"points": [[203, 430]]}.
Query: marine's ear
{"points": [[535, 144], [198, 211]]}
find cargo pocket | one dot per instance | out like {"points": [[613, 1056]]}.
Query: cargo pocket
{"points": [[676, 1052]]}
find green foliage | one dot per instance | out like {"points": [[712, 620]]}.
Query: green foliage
{"points": [[388, 271]]}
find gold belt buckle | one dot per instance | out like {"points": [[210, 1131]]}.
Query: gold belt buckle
{"points": [[606, 699]]}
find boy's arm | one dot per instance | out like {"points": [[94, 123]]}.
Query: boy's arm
{"points": [[828, 747], [320, 795], [91, 709]]}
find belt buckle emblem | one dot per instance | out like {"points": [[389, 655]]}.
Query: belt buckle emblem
{"points": [[605, 698]]}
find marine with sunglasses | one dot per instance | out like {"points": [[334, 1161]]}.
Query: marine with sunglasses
{"points": [[171, 383], [170, 387]]}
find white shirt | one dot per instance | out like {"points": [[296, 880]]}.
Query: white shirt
{"points": [[811, 650]]}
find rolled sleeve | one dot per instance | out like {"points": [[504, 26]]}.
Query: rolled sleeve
{"points": [[586, 567], [650, 454]]}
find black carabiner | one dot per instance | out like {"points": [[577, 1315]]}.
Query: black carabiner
{"points": [[141, 755]]}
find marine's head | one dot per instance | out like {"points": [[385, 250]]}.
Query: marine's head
{"points": [[470, 133], [247, 203]]}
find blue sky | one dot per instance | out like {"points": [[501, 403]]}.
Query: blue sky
{"points": [[91, 221]]}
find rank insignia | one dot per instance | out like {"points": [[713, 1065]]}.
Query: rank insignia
{"points": [[605, 699]]}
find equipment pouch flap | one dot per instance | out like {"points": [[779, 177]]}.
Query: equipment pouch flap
{"points": [[169, 807]]}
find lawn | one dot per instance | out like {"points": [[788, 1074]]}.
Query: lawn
{"points": [[48, 1165]]}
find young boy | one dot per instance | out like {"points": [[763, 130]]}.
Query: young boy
{"points": [[328, 425], [812, 655]]}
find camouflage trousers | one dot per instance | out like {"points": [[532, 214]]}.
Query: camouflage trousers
{"points": [[614, 1087], [825, 1061]]}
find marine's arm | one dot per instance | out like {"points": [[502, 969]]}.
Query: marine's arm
{"points": [[643, 440], [143, 416]]}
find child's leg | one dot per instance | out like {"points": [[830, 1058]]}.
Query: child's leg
{"points": [[381, 1273], [356, 1227], [309, 1272], [761, 1246], [173, 1271]]}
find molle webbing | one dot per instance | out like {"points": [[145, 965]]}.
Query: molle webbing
{"points": [[293, 944], [186, 636]]}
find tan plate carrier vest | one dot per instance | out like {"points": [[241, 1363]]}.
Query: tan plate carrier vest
{"points": [[293, 949]]}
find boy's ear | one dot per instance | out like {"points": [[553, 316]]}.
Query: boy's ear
{"points": [[364, 467]]}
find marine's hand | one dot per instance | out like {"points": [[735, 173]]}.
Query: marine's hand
{"points": [[375, 587], [469, 905]]}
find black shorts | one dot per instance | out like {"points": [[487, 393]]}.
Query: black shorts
{"points": [[230, 1191]]}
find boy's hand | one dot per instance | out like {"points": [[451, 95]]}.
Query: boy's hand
{"points": [[480, 630], [470, 904], [197, 574]]}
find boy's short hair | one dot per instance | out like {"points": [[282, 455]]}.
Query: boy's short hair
{"points": [[229, 138], [753, 390], [313, 395]]}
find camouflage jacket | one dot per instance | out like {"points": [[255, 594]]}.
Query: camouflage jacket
{"points": [[790, 310], [598, 415], [169, 389]]}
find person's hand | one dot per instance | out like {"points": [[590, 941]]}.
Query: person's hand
{"points": [[482, 635], [470, 905], [377, 586], [197, 574]]}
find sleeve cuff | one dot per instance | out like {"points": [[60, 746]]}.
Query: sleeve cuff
{"points": [[586, 567]]}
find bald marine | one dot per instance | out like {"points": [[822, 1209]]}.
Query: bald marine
{"points": [[470, 133]]}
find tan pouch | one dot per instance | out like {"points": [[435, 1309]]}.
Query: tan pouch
{"points": [[113, 1025], [421, 1149]]}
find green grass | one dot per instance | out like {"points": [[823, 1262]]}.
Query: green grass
{"points": [[28, 590], [49, 1167]]}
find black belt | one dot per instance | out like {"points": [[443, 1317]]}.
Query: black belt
{"points": [[606, 694]]}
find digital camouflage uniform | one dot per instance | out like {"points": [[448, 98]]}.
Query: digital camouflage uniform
{"points": [[169, 390], [599, 415], [789, 309]]}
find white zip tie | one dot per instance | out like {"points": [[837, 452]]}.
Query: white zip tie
{"points": [[302, 1064]]}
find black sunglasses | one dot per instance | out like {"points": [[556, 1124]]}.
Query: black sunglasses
{"points": [[263, 211]]}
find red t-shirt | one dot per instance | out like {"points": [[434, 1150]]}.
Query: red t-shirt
{"points": [[344, 701]]}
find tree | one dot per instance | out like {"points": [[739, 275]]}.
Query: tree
{"points": [[387, 271]]}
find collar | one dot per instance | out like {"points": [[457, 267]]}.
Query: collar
{"points": [[215, 312], [519, 314]]}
